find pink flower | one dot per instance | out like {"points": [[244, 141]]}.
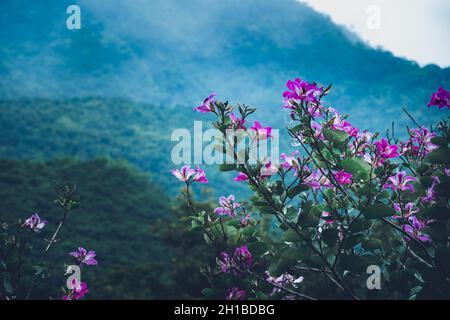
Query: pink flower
{"points": [[228, 206], [400, 182], [408, 211], [261, 133], [384, 150], [342, 125], [441, 99], [299, 91], [422, 137], [362, 142], [430, 193], [226, 263], [316, 181], [283, 281], [244, 255], [208, 104], [245, 220], [187, 174], [84, 256], [241, 177], [290, 162], [236, 294], [343, 177], [327, 217], [35, 223], [414, 227], [317, 128], [77, 290], [238, 122], [268, 170]]}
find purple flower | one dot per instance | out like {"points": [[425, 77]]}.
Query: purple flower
{"points": [[208, 104], [261, 133], [290, 162], [245, 220], [35, 223], [299, 91], [268, 170], [241, 177], [238, 122], [385, 151], [244, 255], [187, 174], [227, 206], [343, 177], [343, 125], [317, 127], [441, 99], [317, 180], [414, 228], [408, 210], [226, 263], [283, 281], [327, 217], [84, 256], [400, 182], [236, 294], [430, 193], [77, 290], [422, 137]]}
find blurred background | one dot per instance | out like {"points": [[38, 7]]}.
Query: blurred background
{"points": [[96, 107]]}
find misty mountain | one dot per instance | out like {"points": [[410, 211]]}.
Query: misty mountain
{"points": [[172, 53]]}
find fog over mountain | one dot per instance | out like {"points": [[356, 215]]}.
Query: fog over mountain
{"points": [[169, 53]]}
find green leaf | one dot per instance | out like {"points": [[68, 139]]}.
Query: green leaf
{"points": [[360, 225], [357, 167], [379, 210], [291, 236], [372, 244], [439, 141], [438, 212], [257, 248], [296, 190], [227, 167], [335, 136], [440, 155], [330, 236]]}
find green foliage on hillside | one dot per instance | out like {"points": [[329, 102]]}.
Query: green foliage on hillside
{"points": [[122, 216], [140, 133]]}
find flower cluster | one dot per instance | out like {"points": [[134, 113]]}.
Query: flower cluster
{"points": [[76, 288], [441, 99], [189, 175]]}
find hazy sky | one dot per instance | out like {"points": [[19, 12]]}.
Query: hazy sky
{"points": [[416, 29]]}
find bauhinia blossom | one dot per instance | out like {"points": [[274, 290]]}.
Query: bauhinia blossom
{"points": [[441, 99], [227, 206], [430, 193], [241, 177], [290, 162], [261, 133], [283, 281], [407, 211], [35, 223], [384, 150], [208, 104], [414, 227], [244, 255], [400, 182], [268, 170], [299, 91], [77, 290], [84, 257], [343, 177], [238, 122], [317, 180], [187, 174], [236, 294]]}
